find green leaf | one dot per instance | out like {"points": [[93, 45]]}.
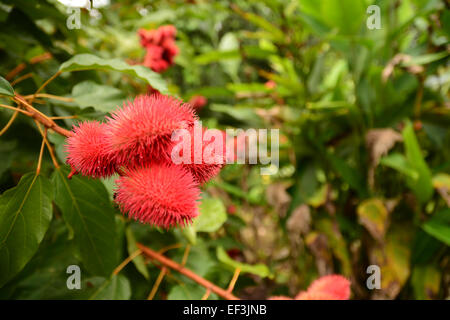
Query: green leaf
{"points": [[87, 210], [439, 226], [257, 269], [348, 174], [101, 97], [344, 15], [138, 261], [117, 287], [25, 214], [86, 61], [188, 291], [422, 187], [426, 280], [5, 87], [398, 162], [212, 215], [215, 56]]}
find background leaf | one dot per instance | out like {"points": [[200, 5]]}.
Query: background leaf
{"points": [[25, 214], [86, 61], [88, 212]]}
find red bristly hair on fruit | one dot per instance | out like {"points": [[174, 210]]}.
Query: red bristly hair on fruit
{"points": [[163, 195], [208, 165], [87, 150], [331, 287], [140, 132]]}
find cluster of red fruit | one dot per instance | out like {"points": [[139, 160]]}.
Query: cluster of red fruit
{"points": [[136, 142], [160, 46]]}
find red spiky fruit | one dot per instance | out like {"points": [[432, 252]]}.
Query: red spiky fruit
{"points": [[140, 132], [205, 160], [163, 195], [331, 287], [160, 46], [87, 150]]}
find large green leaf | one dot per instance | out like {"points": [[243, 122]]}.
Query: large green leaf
{"points": [[5, 87], [212, 215], [25, 214], [439, 226], [101, 97], [87, 210], [423, 186], [86, 61]]}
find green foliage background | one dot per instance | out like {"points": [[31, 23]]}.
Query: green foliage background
{"points": [[364, 118]]}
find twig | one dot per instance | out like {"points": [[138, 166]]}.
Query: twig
{"points": [[234, 279], [45, 84], [15, 109], [126, 261], [42, 118], [41, 153], [49, 147], [206, 295], [48, 96], [161, 275], [21, 78], [10, 122], [186, 272], [185, 255]]}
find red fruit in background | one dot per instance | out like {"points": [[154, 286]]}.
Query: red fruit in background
{"points": [[270, 84], [332, 287], [141, 131], [162, 195], [161, 47], [231, 209], [88, 149], [198, 102]]}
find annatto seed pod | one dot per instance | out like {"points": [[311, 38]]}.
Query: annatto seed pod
{"points": [[204, 161], [140, 132], [332, 287], [88, 149], [163, 195]]}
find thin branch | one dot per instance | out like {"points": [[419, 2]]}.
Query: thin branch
{"points": [[49, 147], [234, 279], [46, 83], [64, 117], [10, 122], [206, 295], [48, 96], [42, 118], [41, 153], [126, 261], [21, 78], [186, 272], [185, 255], [15, 109], [161, 275]]}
